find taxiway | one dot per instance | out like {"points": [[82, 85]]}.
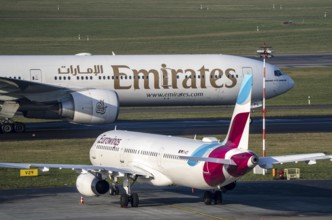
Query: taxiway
{"points": [[65, 130], [249, 200]]}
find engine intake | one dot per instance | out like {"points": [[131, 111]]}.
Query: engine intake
{"points": [[90, 185]]}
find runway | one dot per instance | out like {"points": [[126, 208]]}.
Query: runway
{"points": [[65, 130], [249, 200]]}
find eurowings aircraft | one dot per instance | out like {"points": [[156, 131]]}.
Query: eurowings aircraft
{"points": [[90, 89], [164, 160]]}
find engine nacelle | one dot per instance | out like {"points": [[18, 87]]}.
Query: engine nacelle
{"points": [[93, 106], [90, 185]]}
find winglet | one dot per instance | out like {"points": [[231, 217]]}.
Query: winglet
{"points": [[238, 132]]}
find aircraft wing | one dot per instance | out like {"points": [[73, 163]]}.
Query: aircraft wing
{"points": [[267, 162], [46, 167], [13, 89]]}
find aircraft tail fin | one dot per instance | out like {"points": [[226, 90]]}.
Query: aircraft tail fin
{"points": [[238, 132]]}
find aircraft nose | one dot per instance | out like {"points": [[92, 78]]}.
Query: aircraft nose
{"points": [[290, 83]]}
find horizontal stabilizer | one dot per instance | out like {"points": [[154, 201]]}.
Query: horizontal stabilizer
{"points": [[267, 162], [209, 159]]}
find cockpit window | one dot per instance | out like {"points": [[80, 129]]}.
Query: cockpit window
{"points": [[278, 73]]}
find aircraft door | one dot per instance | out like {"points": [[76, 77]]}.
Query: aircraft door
{"points": [[247, 71], [122, 160], [256, 90], [93, 153], [160, 156], [165, 81], [36, 75], [206, 168]]}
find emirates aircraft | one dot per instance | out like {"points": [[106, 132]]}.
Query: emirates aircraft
{"points": [[164, 160], [90, 89]]}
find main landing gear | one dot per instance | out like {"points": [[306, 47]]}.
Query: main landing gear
{"points": [[128, 196], [9, 126], [215, 197]]}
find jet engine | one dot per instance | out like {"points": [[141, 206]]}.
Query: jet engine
{"points": [[93, 106], [89, 184]]}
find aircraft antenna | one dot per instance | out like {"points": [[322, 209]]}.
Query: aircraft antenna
{"points": [[264, 52], [115, 128]]}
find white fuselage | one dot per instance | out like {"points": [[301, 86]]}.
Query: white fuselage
{"points": [[149, 79], [159, 155]]}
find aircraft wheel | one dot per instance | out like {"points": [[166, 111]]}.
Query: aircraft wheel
{"points": [[19, 127], [7, 128], [218, 197], [124, 200], [207, 198], [134, 200]]}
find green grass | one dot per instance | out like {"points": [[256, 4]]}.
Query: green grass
{"points": [[76, 152], [314, 82], [156, 27], [49, 151]]}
